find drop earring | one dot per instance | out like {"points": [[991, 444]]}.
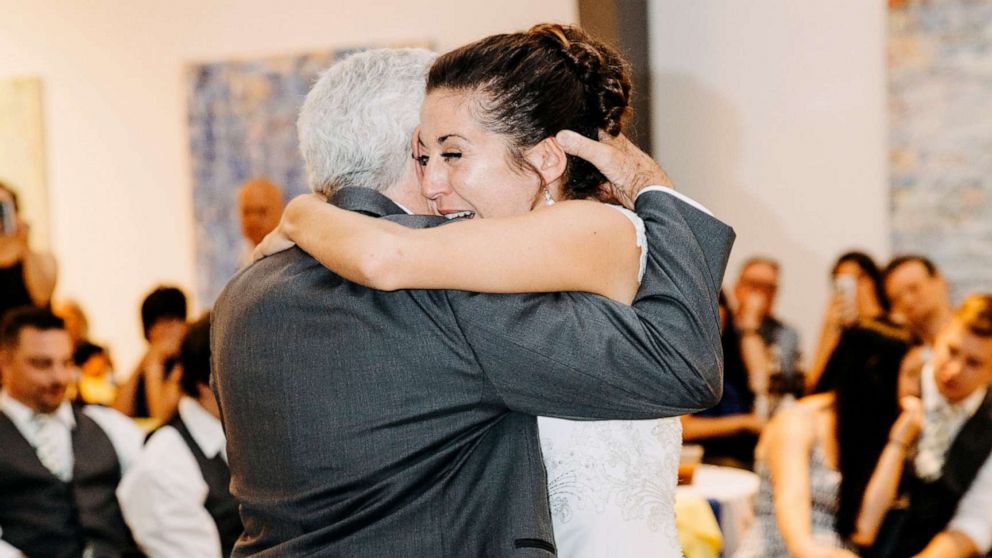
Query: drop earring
{"points": [[548, 200]]}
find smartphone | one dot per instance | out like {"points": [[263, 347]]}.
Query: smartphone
{"points": [[8, 219], [846, 288]]}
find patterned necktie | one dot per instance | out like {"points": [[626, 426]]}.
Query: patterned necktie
{"points": [[48, 448], [935, 442]]}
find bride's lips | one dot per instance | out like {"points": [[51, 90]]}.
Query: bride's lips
{"points": [[456, 213]]}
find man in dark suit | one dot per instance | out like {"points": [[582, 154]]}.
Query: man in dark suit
{"points": [[370, 424]]}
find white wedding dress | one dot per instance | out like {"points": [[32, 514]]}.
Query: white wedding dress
{"points": [[611, 484]]}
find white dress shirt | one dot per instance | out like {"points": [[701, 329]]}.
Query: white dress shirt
{"points": [[162, 496], [125, 437], [973, 516]]}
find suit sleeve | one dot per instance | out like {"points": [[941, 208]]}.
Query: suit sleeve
{"points": [[580, 356]]}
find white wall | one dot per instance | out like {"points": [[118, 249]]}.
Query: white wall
{"points": [[772, 113], [118, 164]]}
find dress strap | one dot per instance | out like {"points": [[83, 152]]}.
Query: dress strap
{"points": [[642, 239]]}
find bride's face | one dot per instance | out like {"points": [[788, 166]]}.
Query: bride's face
{"points": [[466, 167]]}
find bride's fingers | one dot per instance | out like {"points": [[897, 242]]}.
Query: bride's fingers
{"points": [[273, 242]]}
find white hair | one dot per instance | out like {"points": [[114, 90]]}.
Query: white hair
{"points": [[356, 123]]}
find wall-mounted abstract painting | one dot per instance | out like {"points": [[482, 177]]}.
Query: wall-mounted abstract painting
{"points": [[242, 124], [940, 136], [22, 153]]}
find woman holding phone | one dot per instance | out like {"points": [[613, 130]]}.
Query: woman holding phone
{"points": [[27, 277]]}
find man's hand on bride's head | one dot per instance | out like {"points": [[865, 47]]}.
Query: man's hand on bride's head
{"points": [[628, 169], [281, 238]]}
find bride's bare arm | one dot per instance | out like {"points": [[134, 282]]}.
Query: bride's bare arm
{"points": [[571, 246]]}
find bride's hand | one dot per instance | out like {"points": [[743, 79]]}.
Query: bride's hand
{"points": [[281, 238], [275, 241], [628, 169]]}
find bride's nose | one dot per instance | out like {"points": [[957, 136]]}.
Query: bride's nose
{"points": [[435, 181]]}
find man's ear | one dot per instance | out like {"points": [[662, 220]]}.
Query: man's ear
{"points": [[548, 158]]}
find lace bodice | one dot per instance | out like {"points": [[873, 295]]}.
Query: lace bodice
{"points": [[611, 484]]}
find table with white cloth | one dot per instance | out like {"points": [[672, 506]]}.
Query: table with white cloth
{"points": [[730, 492]]}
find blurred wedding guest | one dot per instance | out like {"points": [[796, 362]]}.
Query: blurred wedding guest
{"points": [[95, 384], [939, 455], [260, 204], [858, 295], [152, 391], [755, 292], [176, 496], [729, 431], [27, 277], [59, 464], [76, 323], [816, 457], [919, 295]]}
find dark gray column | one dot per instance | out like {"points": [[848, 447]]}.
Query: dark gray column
{"points": [[624, 24]]}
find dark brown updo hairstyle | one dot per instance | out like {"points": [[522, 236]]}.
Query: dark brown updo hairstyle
{"points": [[535, 84]]}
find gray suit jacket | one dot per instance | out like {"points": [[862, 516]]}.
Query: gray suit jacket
{"points": [[375, 424]]}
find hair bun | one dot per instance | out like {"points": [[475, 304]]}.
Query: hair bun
{"points": [[603, 73]]}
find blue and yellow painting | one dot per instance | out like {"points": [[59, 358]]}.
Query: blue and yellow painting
{"points": [[242, 124], [940, 106]]}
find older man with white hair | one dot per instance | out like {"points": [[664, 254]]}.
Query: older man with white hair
{"points": [[364, 423]]}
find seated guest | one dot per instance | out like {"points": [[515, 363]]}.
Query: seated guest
{"points": [[59, 464], [176, 496], [729, 431], [940, 451], [816, 457], [919, 296], [260, 204], [152, 391], [27, 276], [858, 296], [96, 384], [754, 293]]}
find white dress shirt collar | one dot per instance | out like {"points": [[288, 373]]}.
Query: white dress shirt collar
{"points": [[678, 195], [21, 415], [206, 430], [971, 403]]}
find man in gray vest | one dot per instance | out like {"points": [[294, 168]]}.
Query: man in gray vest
{"points": [[176, 497], [940, 450], [370, 424], [59, 465]]}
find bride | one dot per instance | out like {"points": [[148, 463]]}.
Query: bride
{"points": [[533, 219]]}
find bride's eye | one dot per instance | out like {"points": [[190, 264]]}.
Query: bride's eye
{"points": [[422, 160], [448, 156]]}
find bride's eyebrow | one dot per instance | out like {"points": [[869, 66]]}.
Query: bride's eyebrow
{"points": [[442, 139]]}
